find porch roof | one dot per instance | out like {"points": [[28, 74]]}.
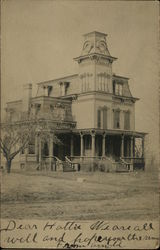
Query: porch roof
{"points": [[110, 132]]}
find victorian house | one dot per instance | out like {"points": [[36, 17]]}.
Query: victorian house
{"points": [[91, 112]]}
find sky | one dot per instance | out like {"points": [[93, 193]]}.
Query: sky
{"points": [[40, 38]]}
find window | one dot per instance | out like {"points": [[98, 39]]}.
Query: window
{"points": [[63, 88], [127, 120], [99, 118], [22, 151], [37, 108], [49, 90], [116, 118], [31, 147], [104, 118], [117, 88], [45, 149], [87, 142]]}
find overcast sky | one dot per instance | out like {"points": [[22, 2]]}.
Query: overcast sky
{"points": [[40, 38]]}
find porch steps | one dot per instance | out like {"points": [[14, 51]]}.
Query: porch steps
{"points": [[68, 167], [122, 166]]}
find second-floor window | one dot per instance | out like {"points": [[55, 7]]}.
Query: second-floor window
{"points": [[102, 118], [116, 119], [31, 147], [127, 120], [99, 118]]}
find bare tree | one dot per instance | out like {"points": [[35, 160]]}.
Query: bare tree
{"points": [[15, 137]]}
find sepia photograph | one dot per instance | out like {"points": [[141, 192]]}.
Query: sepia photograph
{"points": [[79, 124]]}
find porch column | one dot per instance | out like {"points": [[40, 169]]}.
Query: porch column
{"points": [[128, 147], [36, 144], [26, 153], [82, 144], [93, 144], [40, 150], [131, 147], [51, 151], [143, 147], [122, 146], [134, 147], [104, 145], [36, 147], [131, 150], [71, 145]]}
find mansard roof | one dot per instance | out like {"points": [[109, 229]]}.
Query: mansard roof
{"points": [[119, 77], [95, 32], [65, 78]]}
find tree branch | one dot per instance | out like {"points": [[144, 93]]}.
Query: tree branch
{"points": [[18, 150]]}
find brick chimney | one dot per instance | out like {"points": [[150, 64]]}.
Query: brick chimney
{"points": [[27, 95]]}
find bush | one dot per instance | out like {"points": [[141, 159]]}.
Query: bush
{"points": [[101, 167], [89, 166], [95, 166]]}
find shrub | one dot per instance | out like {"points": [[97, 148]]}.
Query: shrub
{"points": [[101, 167], [95, 166]]}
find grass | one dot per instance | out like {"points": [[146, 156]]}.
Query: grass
{"points": [[55, 195]]}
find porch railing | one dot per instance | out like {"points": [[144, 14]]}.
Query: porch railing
{"points": [[72, 165], [126, 164], [137, 162]]}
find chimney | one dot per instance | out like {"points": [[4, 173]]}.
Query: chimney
{"points": [[27, 95]]}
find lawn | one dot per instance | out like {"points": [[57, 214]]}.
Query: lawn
{"points": [[55, 195]]}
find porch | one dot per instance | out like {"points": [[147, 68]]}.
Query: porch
{"points": [[79, 146]]}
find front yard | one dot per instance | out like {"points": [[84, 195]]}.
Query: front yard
{"points": [[55, 195]]}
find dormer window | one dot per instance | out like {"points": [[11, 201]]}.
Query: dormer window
{"points": [[64, 86], [47, 90], [117, 88]]}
